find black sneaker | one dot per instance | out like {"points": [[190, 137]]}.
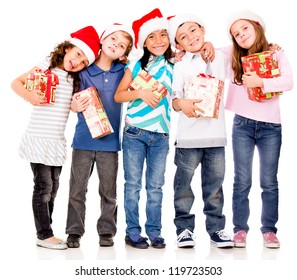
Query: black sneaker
{"points": [[106, 240], [185, 239], [221, 239], [73, 241]]}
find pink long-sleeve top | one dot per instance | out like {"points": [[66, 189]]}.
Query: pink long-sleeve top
{"points": [[238, 102]]}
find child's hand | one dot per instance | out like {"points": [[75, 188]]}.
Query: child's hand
{"points": [[178, 56], [252, 80], [189, 108], [149, 97], [36, 98], [78, 103], [274, 47], [207, 52]]}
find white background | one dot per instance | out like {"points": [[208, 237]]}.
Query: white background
{"points": [[29, 31]]}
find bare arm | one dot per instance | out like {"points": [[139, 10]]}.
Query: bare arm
{"points": [[124, 95], [34, 96]]}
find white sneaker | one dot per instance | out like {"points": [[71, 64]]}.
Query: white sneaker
{"points": [[185, 239]]}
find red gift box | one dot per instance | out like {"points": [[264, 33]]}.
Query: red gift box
{"points": [[95, 114], [266, 66], [209, 89], [45, 81], [144, 81]]}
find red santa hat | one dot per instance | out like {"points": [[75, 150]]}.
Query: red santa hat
{"points": [[147, 24], [244, 14], [87, 39], [117, 27], [176, 21]]}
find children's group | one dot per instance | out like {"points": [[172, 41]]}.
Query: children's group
{"points": [[90, 74]]}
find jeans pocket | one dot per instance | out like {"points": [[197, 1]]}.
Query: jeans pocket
{"points": [[237, 121], [275, 125], [132, 131], [165, 136]]}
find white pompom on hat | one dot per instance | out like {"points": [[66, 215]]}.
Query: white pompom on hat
{"points": [[87, 39], [117, 27], [176, 21], [244, 14], [147, 24]]}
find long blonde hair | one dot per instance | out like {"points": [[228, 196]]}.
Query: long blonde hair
{"points": [[261, 44]]}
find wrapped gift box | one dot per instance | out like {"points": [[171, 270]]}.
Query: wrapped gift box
{"points": [[144, 81], [209, 90], [95, 115], [45, 81], [266, 66]]}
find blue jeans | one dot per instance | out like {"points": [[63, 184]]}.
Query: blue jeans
{"points": [[81, 170], [212, 176], [267, 137], [46, 185], [139, 146]]}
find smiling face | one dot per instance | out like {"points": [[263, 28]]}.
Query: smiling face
{"points": [[157, 42], [190, 37], [75, 60], [115, 45], [244, 33]]}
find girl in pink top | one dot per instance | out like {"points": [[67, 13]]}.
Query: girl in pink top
{"points": [[256, 124]]}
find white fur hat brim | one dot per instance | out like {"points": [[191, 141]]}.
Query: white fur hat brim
{"points": [[149, 27], [85, 48], [117, 27], [177, 20]]}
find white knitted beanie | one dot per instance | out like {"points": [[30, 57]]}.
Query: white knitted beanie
{"points": [[244, 14]]}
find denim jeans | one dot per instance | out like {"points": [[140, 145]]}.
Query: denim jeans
{"points": [[267, 137], [81, 170], [212, 176], [139, 146], [46, 184]]}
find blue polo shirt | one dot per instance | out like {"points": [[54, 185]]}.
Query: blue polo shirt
{"points": [[106, 83]]}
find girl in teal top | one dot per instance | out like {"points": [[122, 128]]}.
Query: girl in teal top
{"points": [[146, 131]]}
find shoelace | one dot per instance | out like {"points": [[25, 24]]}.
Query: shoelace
{"points": [[185, 234], [222, 234]]}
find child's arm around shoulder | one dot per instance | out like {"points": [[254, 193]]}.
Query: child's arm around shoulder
{"points": [[34, 96]]}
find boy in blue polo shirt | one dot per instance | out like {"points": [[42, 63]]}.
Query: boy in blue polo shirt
{"points": [[104, 74]]}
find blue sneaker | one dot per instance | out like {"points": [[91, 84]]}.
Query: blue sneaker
{"points": [[136, 241], [185, 239], [221, 239]]}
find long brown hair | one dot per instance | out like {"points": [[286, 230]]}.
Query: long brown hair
{"points": [[57, 58], [261, 44]]}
